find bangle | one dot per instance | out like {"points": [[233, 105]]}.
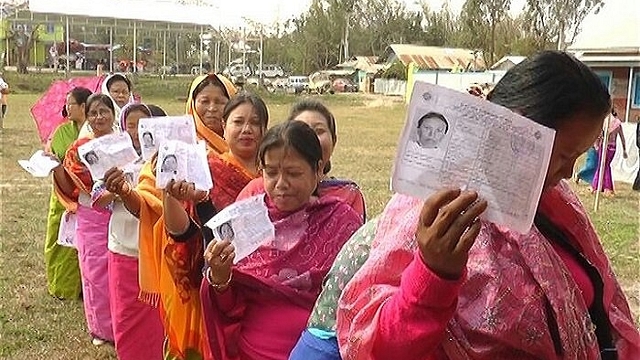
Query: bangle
{"points": [[207, 275], [204, 198]]}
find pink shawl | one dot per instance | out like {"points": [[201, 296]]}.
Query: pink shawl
{"points": [[502, 302], [291, 267]]}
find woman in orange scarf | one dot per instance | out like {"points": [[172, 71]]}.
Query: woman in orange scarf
{"points": [[207, 97], [245, 122]]}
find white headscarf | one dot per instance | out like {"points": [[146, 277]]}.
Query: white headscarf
{"points": [[86, 131]]}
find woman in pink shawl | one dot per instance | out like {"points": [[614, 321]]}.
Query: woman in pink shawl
{"points": [[257, 308], [615, 131], [440, 284]]}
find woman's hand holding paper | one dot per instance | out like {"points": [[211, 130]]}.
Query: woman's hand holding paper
{"points": [[447, 229]]}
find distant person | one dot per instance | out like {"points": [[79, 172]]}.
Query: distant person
{"points": [[432, 127], [53, 53], [4, 92], [609, 145], [100, 68]]}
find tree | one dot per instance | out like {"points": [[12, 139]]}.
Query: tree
{"points": [[23, 40], [440, 26], [558, 20], [490, 12]]}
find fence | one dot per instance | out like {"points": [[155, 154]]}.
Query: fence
{"points": [[456, 81]]}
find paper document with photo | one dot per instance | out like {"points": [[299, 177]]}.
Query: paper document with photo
{"points": [[246, 224], [105, 152], [153, 132], [181, 161], [39, 164], [452, 139]]}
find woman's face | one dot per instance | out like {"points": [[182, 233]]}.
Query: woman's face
{"points": [[120, 93], [288, 179], [209, 105], [318, 123], [75, 110], [573, 137], [243, 131], [100, 118], [132, 126]]}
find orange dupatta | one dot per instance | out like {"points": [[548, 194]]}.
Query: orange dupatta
{"points": [[77, 171], [161, 262], [214, 141]]}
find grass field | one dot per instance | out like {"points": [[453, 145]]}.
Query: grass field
{"points": [[35, 326]]}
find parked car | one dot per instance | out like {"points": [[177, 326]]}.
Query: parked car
{"points": [[235, 70], [297, 84], [271, 71]]}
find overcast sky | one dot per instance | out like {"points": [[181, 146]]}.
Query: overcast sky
{"points": [[269, 11]]}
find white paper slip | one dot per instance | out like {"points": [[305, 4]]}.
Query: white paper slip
{"points": [[105, 152], [153, 132], [39, 164], [181, 161], [246, 224], [452, 139], [67, 230]]}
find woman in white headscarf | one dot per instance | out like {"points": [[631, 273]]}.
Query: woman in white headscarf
{"points": [[118, 88]]}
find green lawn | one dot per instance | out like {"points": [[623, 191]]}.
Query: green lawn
{"points": [[36, 326]]}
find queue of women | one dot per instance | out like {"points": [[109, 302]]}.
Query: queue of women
{"points": [[422, 280]]}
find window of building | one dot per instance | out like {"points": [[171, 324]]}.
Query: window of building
{"points": [[635, 91], [605, 77]]}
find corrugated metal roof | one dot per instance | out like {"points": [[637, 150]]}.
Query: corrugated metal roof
{"points": [[436, 58]]}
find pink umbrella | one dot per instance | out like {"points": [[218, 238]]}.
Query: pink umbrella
{"points": [[47, 111]]}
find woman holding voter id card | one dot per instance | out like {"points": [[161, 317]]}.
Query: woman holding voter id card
{"points": [[321, 120], [257, 308], [441, 283], [245, 120], [93, 224], [137, 327]]}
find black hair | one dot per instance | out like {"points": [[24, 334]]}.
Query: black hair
{"points": [[551, 87], [102, 98], [210, 80], [295, 135], [316, 106], [245, 97], [437, 116], [118, 77], [80, 94], [156, 110], [614, 112], [138, 107]]}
